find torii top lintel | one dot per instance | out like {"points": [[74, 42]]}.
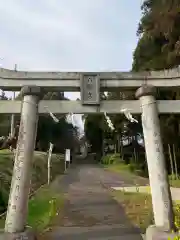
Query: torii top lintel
{"points": [[70, 81]]}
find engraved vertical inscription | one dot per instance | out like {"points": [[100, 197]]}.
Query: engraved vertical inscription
{"points": [[161, 198], [16, 189], [16, 181], [90, 92], [18, 201], [146, 118]]}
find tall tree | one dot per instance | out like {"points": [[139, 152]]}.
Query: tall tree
{"points": [[159, 44], [62, 134], [158, 48]]}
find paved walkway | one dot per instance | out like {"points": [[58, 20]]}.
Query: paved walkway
{"points": [[90, 212], [175, 192]]}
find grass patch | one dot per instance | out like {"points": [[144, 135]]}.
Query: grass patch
{"points": [[174, 182], [2, 222], [138, 208], [121, 167], [39, 171], [39, 178], [118, 167], [147, 189], [126, 173], [114, 163], [43, 207], [6, 166]]}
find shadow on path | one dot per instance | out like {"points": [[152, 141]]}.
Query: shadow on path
{"points": [[90, 212]]}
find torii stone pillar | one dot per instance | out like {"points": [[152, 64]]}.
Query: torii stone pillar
{"points": [[160, 189], [19, 194]]}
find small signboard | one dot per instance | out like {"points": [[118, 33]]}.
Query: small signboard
{"points": [[90, 89], [67, 155]]}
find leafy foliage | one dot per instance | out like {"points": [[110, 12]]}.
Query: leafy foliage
{"points": [[159, 44], [158, 48], [62, 134]]}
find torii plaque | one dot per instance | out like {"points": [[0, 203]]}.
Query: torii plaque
{"points": [[90, 89]]}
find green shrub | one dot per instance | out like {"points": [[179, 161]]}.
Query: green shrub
{"points": [[110, 159], [173, 177], [39, 172], [43, 207], [132, 167]]}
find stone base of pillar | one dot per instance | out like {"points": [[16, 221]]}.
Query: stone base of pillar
{"points": [[155, 233], [26, 235]]}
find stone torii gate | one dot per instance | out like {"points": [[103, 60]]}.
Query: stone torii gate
{"points": [[33, 84]]}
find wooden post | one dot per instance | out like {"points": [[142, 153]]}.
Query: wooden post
{"points": [[49, 161]]}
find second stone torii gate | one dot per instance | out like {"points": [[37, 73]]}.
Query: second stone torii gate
{"points": [[18, 199]]}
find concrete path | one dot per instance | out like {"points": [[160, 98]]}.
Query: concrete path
{"points": [[90, 212], [175, 192]]}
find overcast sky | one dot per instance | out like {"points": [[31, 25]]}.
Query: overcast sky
{"points": [[68, 35]]}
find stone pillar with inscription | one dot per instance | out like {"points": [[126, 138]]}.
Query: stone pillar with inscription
{"points": [[160, 189], [19, 193]]}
